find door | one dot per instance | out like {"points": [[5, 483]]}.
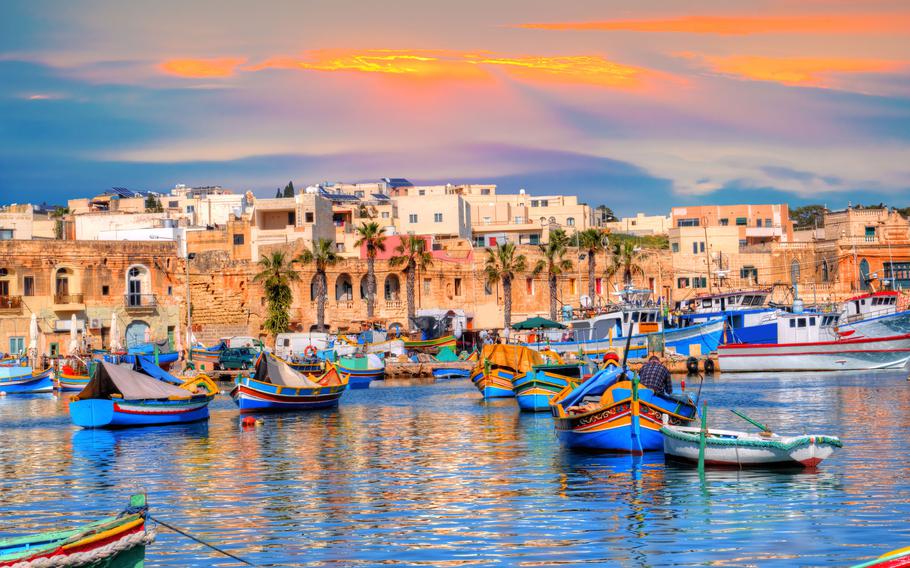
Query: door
{"points": [[134, 288], [135, 333]]}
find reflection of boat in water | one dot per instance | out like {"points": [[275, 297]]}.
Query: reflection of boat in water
{"points": [[499, 365], [277, 387], [145, 395], [23, 380], [610, 413], [118, 541], [742, 449]]}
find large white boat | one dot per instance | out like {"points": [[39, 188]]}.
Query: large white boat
{"points": [[810, 341], [873, 315]]}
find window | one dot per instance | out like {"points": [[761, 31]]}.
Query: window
{"points": [[17, 344], [535, 203], [190, 208], [801, 322], [479, 242], [28, 286], [767, 222], [570, 221], [687, 223], [826, 275], [811, 322], [700, 282], [238, 239], [899, 274], [412, 218], [572, 286], [794, 272], [674, 247], [793, 322], [105, 290], [748, 273], [529, 286], [6, 234], [292, 218], [437, 217], [519, 220], [724, 222], [173, 204], [870, 234], [743, 242], [484, 192], [701, 246], [534, 239], [694, 248], [170, 290], [385, 215], [427, 283], [458, 287], [421, 192], [544, 203], [758, 222], [308, 216], [682, 282], [742, 221], [4, 287], [55, 349]]}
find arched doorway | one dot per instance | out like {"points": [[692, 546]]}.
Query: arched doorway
{"points": [[135, 333], [363, 288], [344, 288], [392, 288], [62, 283], [864, 274]]}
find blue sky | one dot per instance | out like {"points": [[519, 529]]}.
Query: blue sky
{"points": [[637, 105]]}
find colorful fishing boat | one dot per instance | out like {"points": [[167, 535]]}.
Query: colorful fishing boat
{"points": [[277, 387], [308, 366], [207, 355], [69, 379], [499, 365], [14, 361], [437, 343], [119, 396], [729, 448], [114, 542], [535, 388], [444, 370], [450, 373], [23, 380], [361, 370], [899, 558], [611, 413]]}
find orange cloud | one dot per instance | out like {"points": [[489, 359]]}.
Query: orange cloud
{"points": [[202, 68], [449, 65], [801, 71], [743, 25]]}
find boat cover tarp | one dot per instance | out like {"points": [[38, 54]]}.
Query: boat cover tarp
{"points": [[149, 367], [149, 348], [111, 379], [272, 370], [516, 357], [595, 386], [447, 355]]}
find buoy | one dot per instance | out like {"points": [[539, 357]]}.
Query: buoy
{"points": [[2, 393], [248, 421], [682, 384]]}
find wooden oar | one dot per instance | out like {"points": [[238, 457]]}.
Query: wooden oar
{"points": [[755, 423]]}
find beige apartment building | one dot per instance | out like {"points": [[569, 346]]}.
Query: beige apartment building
{"points": [[523, 218], [441, 215], [756, 224], [25, 222], [641, 225], [297, 220]]}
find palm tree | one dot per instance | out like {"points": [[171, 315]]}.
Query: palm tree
{"points": [[554, 263], [370, 235], [322, 255], [411, 256], [592, 241], [276, 275], [502, 265], [626, 261]]}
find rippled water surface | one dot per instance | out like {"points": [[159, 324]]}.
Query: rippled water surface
{"points": [[417, 473]]}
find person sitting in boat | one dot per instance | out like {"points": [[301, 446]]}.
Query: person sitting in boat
{"points": [[655, 376]]}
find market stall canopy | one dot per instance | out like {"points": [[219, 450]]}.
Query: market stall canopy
{"points": [[538, 323]]}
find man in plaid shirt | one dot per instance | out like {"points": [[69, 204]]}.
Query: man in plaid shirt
{"points": [[655, 376]]}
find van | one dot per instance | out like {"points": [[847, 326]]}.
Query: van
{"points": [[288, 344]]}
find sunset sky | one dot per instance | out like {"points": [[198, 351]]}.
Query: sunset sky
{"points": [[639, 105]]}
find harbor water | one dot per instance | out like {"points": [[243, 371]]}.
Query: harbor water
{"points": [[416, 473]]}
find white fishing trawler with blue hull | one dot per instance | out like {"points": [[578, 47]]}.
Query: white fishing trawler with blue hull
{"points": [[873, 315], [748, 316], [642, 318]]}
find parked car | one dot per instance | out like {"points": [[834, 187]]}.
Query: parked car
{"points": [[237, 358]]}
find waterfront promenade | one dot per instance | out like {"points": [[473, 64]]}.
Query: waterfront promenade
{"points": [[412, 472]]}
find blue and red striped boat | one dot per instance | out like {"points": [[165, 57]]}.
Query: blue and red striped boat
{"points": [[23, 380], [276, 387]]}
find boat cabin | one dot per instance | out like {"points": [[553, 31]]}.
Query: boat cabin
{"points": [[740, 300], [619, 323], [806, 327], [873, 305]]}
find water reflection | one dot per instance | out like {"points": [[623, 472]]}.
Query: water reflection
{"points": [[424, 473]]}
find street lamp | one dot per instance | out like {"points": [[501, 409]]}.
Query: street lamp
{"points": [[189, 309]]}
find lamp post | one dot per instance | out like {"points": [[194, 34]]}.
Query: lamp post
{"points": [[189, 309]]}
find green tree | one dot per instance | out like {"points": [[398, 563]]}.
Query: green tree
{"points": [[289, 189], [605, 214], [625, 261], [278, 193], [276, 275], [502, 265], [411, 255], [153, 204], [808, 216], [322, 255], [370, 235], [592, 241], [554, 263]]}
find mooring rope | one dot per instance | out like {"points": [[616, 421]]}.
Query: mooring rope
{"points": [[202, 542]]}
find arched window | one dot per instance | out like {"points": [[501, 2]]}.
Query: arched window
{"points": [[825, 274], [864, 274], [344, 289], [794, 272], [137, 285], [364, 287], [392, 288]]}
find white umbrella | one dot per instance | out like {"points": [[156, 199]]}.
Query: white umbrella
{"points": [[33, 333], [148, 334], [115, 334], [74, 336], [177, 346]]}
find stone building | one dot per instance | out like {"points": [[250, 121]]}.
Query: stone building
{"points": [[136, 281]]}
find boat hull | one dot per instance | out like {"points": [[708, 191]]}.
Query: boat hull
{"points": [[535, 389], [496, 384], [107, 413], [845, 355], [255, 396], [703, 338], [27, 383], [451, 373], [67, 382], [361, 378], [439, 342], [735, 449]]}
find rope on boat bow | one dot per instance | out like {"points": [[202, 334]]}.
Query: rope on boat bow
{"points": [[202, 542]]}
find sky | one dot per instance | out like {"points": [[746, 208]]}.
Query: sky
{"points": [[637, 104]]}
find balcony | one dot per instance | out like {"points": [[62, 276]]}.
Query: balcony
{"points": [[140, 303], [69, 302], [764, 232], [10, 304]]}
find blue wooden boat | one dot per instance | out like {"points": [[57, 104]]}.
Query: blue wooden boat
{"points": [[119, 396], [449, 373], [21, 380], [611, 413], [499, 365], [208, 355], [746, 313], [276, 387], [535, 388], [310, 366], [361, 370]]}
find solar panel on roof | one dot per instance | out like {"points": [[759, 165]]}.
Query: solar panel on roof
{"points": [[380, 196]]}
